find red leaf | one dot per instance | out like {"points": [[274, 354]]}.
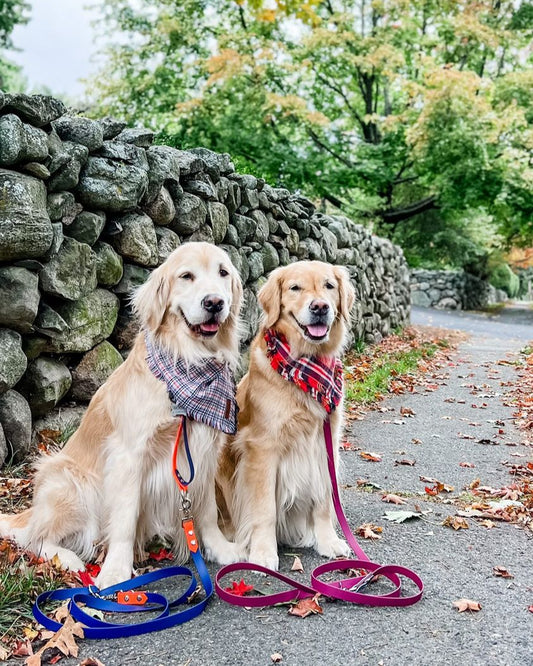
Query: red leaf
{"points": [[85, 578], [239, 589], [161, 554]]}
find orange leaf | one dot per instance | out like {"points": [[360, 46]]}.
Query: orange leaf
{"points": [[467, 604], [371, 457], [306, 607]]}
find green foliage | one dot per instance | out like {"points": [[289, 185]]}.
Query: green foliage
{"points": [[12, 13], [404, 114], [502, 277], [389, 366]]}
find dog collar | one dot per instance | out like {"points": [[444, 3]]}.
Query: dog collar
{"points": [[204, 392], [319, 376]]}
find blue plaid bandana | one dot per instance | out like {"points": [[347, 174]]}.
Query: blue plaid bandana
{"points": [[203, 392]]}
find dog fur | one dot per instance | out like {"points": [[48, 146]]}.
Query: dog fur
{"points": [[273, 475], [112, 483]]}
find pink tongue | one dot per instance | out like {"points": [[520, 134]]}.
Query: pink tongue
{"points": [[209, 327], [317, 330]]}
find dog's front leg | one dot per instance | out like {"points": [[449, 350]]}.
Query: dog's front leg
{"points": [[122, 490], [258, 504]]}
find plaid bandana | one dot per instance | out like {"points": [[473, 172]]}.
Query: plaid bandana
{"points": [[203, 392], [321, 377]]}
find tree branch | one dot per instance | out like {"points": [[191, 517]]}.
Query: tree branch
{"points": [[395, 215]]}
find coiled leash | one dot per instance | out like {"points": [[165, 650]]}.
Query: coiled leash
{"points": [[128, 596], [347, 589]]}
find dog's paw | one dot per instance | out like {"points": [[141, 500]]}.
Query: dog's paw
{"points": [[225, 553], [70, 561], [334, 548], [112, 574], [264, 557]]}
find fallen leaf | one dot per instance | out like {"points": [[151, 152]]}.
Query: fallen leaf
{"points": [[407, 411], [501, 572], [489, 524], [467, 604], [4, 654], [415, 440], [239, 589], [371, 457], [404, 461], [276, 657], [456, 522], [306, 607], [401, 516], [297, 564], [466, 464], [64, 640], [161, 554], [369, 531], [393, 499], [22, 649], [91, 661]]}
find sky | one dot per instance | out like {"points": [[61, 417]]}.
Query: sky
{"points": [[57, 45]]}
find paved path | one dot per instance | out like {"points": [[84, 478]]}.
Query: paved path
{"points": [[453, 564]]}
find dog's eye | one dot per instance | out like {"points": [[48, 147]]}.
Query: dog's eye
{"points": [[330, 285], [223, 272], [187, 276], [294, 287]]}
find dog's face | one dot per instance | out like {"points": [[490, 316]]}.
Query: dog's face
{"points": [[309, 302], [197, 289]]}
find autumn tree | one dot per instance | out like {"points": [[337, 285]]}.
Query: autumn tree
{"points": [[414, 116]]}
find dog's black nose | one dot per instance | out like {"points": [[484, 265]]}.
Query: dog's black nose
{"points": [[212, 303], [319, 308]]}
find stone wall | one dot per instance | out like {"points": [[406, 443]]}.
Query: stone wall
{"points": [[452, 290], [88, 208]]}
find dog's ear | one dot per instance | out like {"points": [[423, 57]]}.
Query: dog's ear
{"points": [[346, 291], [236, 292], [269, 297], [150, 300]]}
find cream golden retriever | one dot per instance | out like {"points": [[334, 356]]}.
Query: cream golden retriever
{"points": [[273, 474], [112, 484]]}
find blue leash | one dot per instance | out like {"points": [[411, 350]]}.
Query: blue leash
{"points": [[106, 600]]}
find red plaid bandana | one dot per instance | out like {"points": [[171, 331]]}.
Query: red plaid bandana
{"points": [[321, 377], [203, 392]]}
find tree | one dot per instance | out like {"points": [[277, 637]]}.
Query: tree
{"points": [[399, 112], [12, 13]]}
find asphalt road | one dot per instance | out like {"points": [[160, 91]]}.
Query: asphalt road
{"points": [[453, 564]]}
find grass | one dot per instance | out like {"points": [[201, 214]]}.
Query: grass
{"points": [[383, 370], [21, 582]]}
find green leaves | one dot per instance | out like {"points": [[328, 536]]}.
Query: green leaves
{"points": [[392, 110]]}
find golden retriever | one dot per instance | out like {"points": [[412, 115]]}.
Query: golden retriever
{"points": [[273, 475], [112, 483]]}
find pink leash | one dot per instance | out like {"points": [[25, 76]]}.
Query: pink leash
{"points": [[347, 589]]}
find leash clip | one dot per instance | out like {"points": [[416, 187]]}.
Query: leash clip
{"points": [[185, 505], [95, 592], [366, 580]]}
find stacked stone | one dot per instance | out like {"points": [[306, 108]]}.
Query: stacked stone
{"points": [[89, 207], [452, 290]]}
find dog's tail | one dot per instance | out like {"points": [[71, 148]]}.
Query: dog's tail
{"points": [[15, 526]]}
